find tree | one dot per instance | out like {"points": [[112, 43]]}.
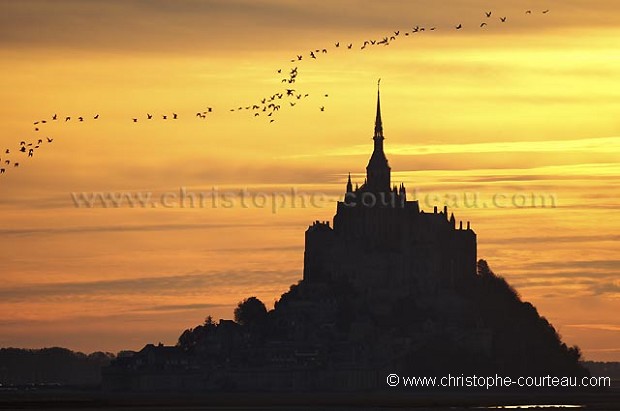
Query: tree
{"points": [[250, 311]]}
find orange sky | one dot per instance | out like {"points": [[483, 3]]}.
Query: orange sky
{"points": [[527, 107]]}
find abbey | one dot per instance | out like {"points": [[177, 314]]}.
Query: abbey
{"points": [[386, 288], [380, 239]]}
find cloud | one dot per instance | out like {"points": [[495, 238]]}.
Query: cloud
{"points": [[547, 240], [120, 228], [174, 285], [199, 25], [601, 327], [586, 145]]}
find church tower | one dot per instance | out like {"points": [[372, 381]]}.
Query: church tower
{"points": [[378, 169]]}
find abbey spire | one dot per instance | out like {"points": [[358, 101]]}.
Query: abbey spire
{"points": [[378, 169]]}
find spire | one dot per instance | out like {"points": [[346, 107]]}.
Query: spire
{"points": [[378, 122], [378, 170]]}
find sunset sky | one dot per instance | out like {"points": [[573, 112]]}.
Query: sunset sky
{"points": [[511, 114]]}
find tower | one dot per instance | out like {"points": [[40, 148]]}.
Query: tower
{"points": [[378, 169]]}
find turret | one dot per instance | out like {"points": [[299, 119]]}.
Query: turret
{"points": [[349, 185]]}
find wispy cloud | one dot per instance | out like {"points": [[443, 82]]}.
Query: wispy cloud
{"points": [[587, 145], [174, 285], [601, 327]]}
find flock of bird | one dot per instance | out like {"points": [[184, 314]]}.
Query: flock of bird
{"points": [[267, 107]]}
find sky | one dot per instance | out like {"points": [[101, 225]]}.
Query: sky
{"points": [[513, 125]]}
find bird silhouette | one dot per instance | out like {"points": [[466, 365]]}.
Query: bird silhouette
{"points": [[503, 19], [350, 45], [322, 108], [546, 11], [23, 149], [40, 141], [487, 13], [460, 26], [49, 140], [338, 44], [149, 116], [483, 24], [174, 116], [528, 12], [135, 120], [54, 117], [16, 165], [312, 55], [2, 170], [67, 118], [96, 116]]}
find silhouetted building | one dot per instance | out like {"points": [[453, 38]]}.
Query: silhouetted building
{"points": [[380, 238], [387, 287]]}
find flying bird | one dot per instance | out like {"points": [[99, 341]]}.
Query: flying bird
{"points": [[135, 120], [460, 26], [96, 117], [54, 117], [49, 140], [67, 118], [149, 116], [488, 13], [503, 19], [483, 24], [546, 11], [350, 45], [338, 44]]}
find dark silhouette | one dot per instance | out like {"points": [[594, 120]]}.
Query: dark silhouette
{"points": [[387, 288], [58, 366], [250, 312]]}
